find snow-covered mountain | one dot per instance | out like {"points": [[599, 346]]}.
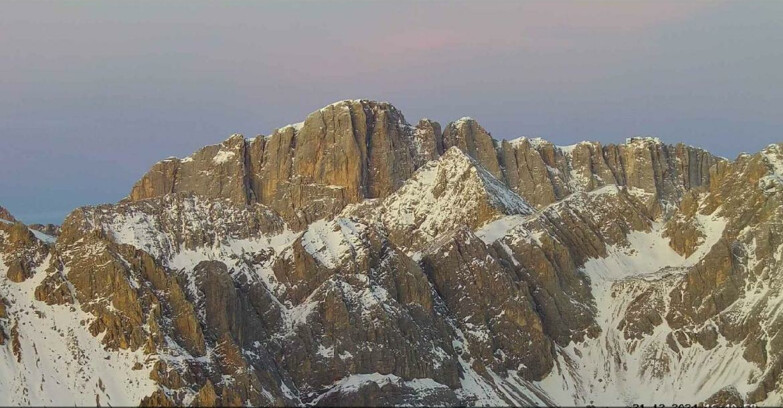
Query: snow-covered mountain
{"points": [[355, 259]]}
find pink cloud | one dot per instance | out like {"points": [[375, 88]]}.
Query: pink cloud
{"points": [[436, 35]]}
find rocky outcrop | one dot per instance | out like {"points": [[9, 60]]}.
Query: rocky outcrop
{"points": [[724, 398], [125, 289], [6, 215], [388, 390], [372, 311], [466, 135], [544, 173], [427, 141], [20, 249], [340, 154], [206, 396], [3, 315]]}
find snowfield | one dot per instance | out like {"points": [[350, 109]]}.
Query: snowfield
{"points": [[61, 363]]}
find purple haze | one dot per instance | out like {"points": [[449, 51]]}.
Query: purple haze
{"points": [[94, 93]]}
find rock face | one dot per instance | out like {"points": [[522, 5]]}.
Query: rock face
{"points": [[466, 135], [340, 154], [5, 215], [356, 150], [545, 173], [354, 259], [20, 249]]}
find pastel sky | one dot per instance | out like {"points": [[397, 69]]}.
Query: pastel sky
{"points": [[93, 93]]}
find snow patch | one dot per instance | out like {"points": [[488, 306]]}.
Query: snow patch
{"points": [[642, 140], [569, 149], [223, 156], [354, 383], [330, 242], [43, 237], [498, 229]]}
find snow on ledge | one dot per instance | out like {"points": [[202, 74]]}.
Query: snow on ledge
{"points": [[223, 156]]}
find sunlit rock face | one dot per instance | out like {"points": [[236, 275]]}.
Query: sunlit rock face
{"points": [[355, 259]]}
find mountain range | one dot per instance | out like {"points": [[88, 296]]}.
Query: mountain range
{"points": [[357, 259]]}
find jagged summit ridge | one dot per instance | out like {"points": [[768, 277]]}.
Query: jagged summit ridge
{"points": [[358, 149], [342, 153]]}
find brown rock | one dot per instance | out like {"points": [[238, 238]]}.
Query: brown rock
{"points": [[528, 175], [20, 250], [164, 376], [54, 289], [389, 394], [6, 215], [16, 345], [3, 315], [710, 286], [463, 270], [468, 136], [643, 315], [18, 271], [372, 315], [446, 194], [543, 173], [206, 396], [428, 141], [727, 397], [341, 154], [157, 399]]}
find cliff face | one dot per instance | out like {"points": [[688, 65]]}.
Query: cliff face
{"points": [[355, 150], [354, 259], [341, 154], [544, 173]]}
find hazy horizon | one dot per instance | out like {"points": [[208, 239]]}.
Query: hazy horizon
{"points": [[95, 93]]}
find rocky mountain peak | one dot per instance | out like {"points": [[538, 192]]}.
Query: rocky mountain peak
{"points": [[356, 259], [353, 150], [773, 156], [6, 215], [341, 154], [446, 194]]}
